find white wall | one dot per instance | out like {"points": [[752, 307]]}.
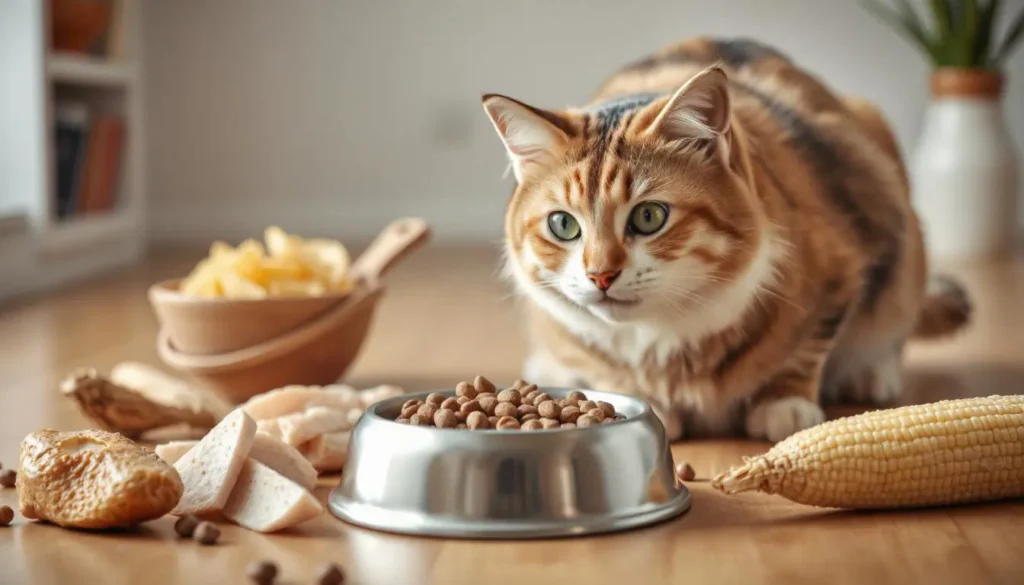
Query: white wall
{"points": [[332, 117]]}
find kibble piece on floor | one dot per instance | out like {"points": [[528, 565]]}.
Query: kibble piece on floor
{"points": [[330, 574], [8, 478], [6, 515], [685, 471], [185, 527], [206, 533], [261, 572]]}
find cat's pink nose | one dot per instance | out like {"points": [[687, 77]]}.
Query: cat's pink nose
{"points": [[604, 280]]}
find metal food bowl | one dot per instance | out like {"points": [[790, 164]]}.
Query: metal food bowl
{"points": [[509, 484]]}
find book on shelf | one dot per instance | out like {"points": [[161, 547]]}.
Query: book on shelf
{"points": [[88, 27], [90, 147]]}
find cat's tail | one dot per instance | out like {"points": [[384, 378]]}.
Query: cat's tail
{"points": [[946, 310]]}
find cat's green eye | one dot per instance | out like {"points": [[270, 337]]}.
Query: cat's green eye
{"points": [[563, 226], [647, 218]]}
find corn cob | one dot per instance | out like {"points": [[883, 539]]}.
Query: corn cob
{"points": [[948, 452]]}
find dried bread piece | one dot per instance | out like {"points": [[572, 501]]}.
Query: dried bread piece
{"points": [[126, 410], [210, 468], [273, 453], [165, 389], [266, 501], [295, 399], [300, 427], [93, 479], [327, 452]]}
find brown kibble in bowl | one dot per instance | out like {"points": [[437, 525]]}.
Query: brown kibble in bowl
{"points": [[206, 533], [461, 426], [481, 385], [569, 414], [510, 396], [586, 421], [596, 413], [471, 406], [505, 409], [576, 397], [549, 409], [492, 420], [427, 411], [568, 425], [526, 409], [541, 397], [402, 420], [477, 420], [6, 515], [587, 405], [261, 572], [487, 404], [519, 384], [185, 527], [533, 425], [408, 411], [445, 419], [550, 423], [412, 402], [461, 400], [465, 390], [609, 410], [507, 423], [685, 471], [451, 403], [435, 398], [528, 397], [8, 478], [528, 417], [418, 420]]}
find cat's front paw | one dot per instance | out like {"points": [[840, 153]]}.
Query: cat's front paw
{"points": [[777, 419]]}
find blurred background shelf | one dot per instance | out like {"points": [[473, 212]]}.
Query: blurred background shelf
{"points": [[71, 158], [72, 68], [79, 233]]}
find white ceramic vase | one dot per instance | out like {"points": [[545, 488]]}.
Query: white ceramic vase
{"points": [[964, 176]]}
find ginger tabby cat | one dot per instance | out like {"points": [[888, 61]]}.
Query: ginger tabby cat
{"points": [[718, 232]]}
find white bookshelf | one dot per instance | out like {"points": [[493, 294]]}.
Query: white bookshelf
{"points": [[36, 79]]}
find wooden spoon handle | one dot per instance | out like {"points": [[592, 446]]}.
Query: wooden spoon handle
{"points": [[396, 241]]}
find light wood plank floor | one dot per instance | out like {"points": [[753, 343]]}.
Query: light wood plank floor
{"points": [[447, 316]]}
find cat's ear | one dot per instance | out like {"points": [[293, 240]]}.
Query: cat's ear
{"points": [[533, 137], [699, 109]]}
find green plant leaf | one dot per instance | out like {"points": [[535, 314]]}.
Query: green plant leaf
{"points": [[968, 33], [1012, 38], [906, 24], [943, 12], [987, 16]]}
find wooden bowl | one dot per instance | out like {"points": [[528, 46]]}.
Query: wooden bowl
{"points": [[317, 353], [214, 326], [241, 348]]}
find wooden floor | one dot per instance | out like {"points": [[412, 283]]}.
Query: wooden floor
{"points": [[447, 317]]}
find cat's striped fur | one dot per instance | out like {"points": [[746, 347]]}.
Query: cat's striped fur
{"points": [[791, 263]]}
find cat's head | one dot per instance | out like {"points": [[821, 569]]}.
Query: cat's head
{"points": [[637, 209]]}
